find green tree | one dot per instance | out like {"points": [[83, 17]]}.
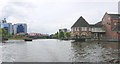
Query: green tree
{"points": [[61, 34], [9, 35], [0, 32], [67, 34], [54, 35], [4, 33]]}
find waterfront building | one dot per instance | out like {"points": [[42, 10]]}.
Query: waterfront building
{"points": [[82, 29], [112, 25], [97, 30], [37, 35], [20, 35], [19, 28], [6, 26]]}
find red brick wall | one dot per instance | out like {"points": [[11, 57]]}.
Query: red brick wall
{"points": [[109, 25], [76, 32]]}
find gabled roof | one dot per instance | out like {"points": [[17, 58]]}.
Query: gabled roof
{"points": [[81, 22], [99, 24], [115, 16]]}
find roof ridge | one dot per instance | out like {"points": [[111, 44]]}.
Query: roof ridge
{"points": [[81, 22], [113, 14]]}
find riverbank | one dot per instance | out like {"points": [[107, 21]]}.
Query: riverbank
{"points": [[15, 38], [79, 40], [25, 39]]}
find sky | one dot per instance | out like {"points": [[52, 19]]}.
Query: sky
{"points": [[48, 16]]}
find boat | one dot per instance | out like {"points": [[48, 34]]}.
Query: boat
{"points": [[29, 39]]}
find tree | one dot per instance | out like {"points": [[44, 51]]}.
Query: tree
{"points": [[61, 34], [0, 32], [54, 35], [51, 36], [67, 34], [4, 33], [9, 35]]}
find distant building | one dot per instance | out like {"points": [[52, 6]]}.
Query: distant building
{"points": [[64, 30], [6, 26], [82, 29], [112, 25], [20, 35], [19, 28], [35, 34], [4, 21]]}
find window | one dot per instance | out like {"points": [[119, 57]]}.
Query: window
{"points": [[72, 29], [90, 29], [83, 28], [108, 23], [83, 35], [93, 29], [115, 23], [99, 29], [77, 28], [108, 18]]}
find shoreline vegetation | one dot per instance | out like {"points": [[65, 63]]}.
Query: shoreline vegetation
{"points": [[15, 38], [59, 35]]}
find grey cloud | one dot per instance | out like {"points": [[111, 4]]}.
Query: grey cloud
{"points": [[17, 9], [47, 17]]}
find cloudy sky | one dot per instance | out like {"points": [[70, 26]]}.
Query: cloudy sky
{"points": [[47, 16]]}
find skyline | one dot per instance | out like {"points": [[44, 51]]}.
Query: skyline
{"points": [[49, 16]]}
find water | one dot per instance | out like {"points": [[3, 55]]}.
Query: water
{"points": [[53, 50]]}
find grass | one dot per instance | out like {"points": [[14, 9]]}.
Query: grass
{"points": [[15, 38], [19, 38]]}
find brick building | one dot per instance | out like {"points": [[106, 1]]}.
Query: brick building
{"points": [[82, 29], [112, 25]]}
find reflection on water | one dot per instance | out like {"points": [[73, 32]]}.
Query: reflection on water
{"points": [[52, 50], [95, 52]]}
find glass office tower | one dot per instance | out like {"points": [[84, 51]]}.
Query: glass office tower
{"points": [[6, 26], [19, 28]]}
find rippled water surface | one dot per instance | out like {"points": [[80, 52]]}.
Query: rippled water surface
{"points": [[53, 50]]}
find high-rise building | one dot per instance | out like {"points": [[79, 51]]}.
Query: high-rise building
{"points": [[19, 28], [4, 21], [6, 26]]}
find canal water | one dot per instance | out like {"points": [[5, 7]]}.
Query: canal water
{"points": [[53, 50]]}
